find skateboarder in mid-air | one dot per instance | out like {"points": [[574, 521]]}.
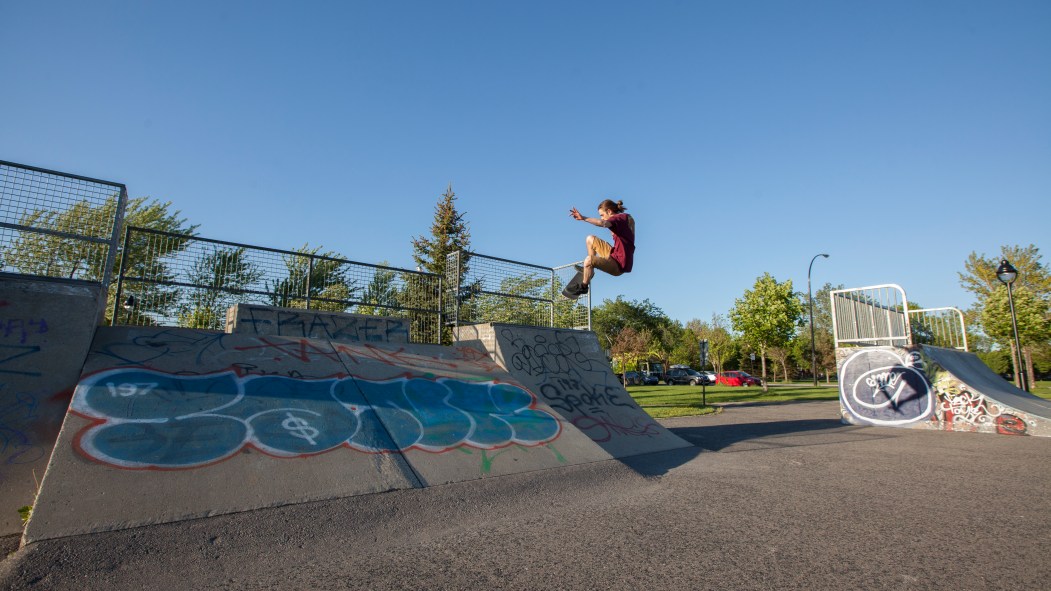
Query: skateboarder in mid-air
{"points": [[616, 259]]}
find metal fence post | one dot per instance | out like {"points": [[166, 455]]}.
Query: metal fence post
{"points": [[120, 275], [310, 272], [551, 293], [441, 311], [456, 294]]}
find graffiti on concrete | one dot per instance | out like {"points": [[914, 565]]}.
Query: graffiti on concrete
{"points": [[18, 410], [12, 359], [143, 349], [571, 382], [22, 328], [932, 388], [960, 408], [879, 387], [263, 320], [19, 403], [149, 419]]}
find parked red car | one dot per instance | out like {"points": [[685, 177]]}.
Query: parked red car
{"points": [[738, 378]]}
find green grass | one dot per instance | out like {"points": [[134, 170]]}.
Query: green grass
{"points": [[664, 402], [1041, 389]]}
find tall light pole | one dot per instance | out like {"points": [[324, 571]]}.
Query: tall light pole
{"points": [[1007, 274], [813, 350]]}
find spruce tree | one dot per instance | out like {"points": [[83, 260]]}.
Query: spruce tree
{"points": [[449, 233]]}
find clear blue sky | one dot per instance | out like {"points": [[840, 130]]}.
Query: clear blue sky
{"points": [[744, 136]]}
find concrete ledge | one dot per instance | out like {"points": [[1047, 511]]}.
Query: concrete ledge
{"points": [[252, 319]]}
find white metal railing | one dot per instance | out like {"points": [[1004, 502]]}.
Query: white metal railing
{"points": [[873, 315], [941, 327]]}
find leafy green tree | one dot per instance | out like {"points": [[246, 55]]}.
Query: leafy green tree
{"points": [[221, 274], [613, 316], [721, 344], [382, 296], [314, 281], [530, 307], [824, 349], [1033, 317], [767, 316], [780, 357], [58, 255], [663, 341], [685, 348], [628, 348], [979, 277], [999, 361]]}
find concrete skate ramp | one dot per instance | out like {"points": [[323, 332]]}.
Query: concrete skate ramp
{"points": [[934, 388], [569, 371], [169, 424], [45, 331], [973, 375]]}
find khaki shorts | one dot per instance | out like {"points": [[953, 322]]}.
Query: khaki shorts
{"points": [[602, 260]]}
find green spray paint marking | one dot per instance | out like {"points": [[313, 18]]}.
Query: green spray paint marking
{"points": [[561, 459], [487, 460]]}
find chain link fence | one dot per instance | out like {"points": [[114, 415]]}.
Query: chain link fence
{"points": [[180, 280], [481, 288], [58, 225]]}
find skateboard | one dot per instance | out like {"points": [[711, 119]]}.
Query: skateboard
{"points": [[573, 288]]}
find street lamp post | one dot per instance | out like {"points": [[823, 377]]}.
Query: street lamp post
{"points": [[810, 296], [1007, 274]]}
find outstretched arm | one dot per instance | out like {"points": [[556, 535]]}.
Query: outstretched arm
{"points": [[594, 221]]}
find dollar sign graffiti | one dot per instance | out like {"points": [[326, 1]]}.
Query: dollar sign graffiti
{"points": [[299, 427]]}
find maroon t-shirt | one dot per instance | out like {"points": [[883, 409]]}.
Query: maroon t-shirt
{"points": [[623, 241]]}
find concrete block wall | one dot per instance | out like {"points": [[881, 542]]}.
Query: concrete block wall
{"points": [[46, 328]]}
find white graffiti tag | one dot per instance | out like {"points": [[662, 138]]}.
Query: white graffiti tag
{"points": [[968, 407]]}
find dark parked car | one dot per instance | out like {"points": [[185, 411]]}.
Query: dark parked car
{"points": [[632, 378], [650, 379], [685, 375], [739, 378]]}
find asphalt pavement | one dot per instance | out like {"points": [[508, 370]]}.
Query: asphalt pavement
{"points": [[780, 496]]}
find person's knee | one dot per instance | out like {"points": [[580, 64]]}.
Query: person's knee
{"points": [[589, 261], [590, 241]]}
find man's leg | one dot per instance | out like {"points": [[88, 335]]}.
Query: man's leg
{"points": [[598, 249], [589, 261]]}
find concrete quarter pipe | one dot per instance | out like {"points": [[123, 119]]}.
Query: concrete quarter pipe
{"points": [[169, 424], [569, 371], [934, 388]]}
